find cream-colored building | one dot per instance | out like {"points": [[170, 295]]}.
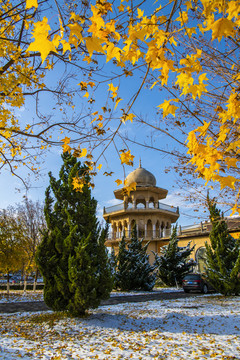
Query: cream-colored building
{"points": [[198, 235], [154, 219], [142, 207]]}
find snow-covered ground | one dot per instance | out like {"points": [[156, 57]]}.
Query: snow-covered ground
{"points": [[201, 327], [20, 296]]}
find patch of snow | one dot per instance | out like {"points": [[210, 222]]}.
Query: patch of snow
{"points": [[199, 327]]}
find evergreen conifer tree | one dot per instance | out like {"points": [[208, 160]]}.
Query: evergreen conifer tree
{"points": [[134, 271], [113, 264], [222, 255], [173, 264], [72, 256], [121, 260]]}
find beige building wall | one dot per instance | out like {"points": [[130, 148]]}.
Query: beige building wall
{"points": [[152, 218]]}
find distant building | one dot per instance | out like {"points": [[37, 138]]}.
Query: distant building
{"points": [[153, 219], [198, 234]]}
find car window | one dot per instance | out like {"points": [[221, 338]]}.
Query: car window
{"points": [[192, 277]]}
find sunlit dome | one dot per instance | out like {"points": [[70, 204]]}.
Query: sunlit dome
{"points": [[141, 176]]}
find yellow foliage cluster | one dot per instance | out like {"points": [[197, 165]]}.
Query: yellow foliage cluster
{"points": [[131, 35]]}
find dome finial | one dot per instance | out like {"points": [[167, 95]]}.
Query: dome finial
{"points": [[140, 163]]}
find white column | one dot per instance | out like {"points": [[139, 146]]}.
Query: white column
{"points": [[134, 204], [129, 231], [164, 231], [154, 230], [137, 230], [117, 232], [145, 231], [147, 204]]}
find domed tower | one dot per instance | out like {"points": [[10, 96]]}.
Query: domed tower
{"points": [[141, 207]]}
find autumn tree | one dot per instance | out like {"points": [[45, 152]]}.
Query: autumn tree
{"points": [[11, 240], [24, 80], [31, 219], [72, 256], [186, 51]]}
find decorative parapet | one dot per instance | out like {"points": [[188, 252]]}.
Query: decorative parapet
{"points": [[146, 235], [120, 207]]}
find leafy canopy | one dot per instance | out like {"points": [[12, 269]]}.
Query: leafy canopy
{"points": [[188, 48]]}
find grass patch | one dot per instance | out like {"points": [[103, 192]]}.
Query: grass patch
{"points": [[49, 318], [52, 318]]}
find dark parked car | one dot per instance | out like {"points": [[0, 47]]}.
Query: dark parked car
{"points": [[196, 282]]}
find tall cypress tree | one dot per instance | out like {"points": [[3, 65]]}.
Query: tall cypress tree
{"points": [[173, 264], [134, 271], [121, 279], [72, 256], [222, 255]]}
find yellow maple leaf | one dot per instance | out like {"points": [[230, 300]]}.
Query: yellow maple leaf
{"points": [[66, 46], [75, 34], [83, 152], [192, 142], [140, 13], [168, 108], [99, 166], [91, 83], [226, 181], [231, 162], [121, 8], [222, 28], [112, 52], [203, 129], [93, 44], [41, 43], [65, 145], [119, 182], [78, 183], [131, 187], [183, 17], [233, 9], [126, 117], [184, 80], [31, 3], [126, 157], [117, 102], [114, 89]]}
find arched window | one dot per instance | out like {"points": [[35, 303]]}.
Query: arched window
{"points": [[201, 259], [130, 205], [149, 229], [140, 205], [151, 203], [158, 231]]}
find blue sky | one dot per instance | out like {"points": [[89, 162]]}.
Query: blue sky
{"points": [[154, 162], [12, 189]]}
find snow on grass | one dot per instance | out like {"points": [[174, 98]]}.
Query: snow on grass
{"points": [[29, 295], [200, 327], [20, 296]]}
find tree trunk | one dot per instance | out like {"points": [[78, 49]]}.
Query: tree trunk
{"points": [[25, 283], [35, 280], [8, 284]]}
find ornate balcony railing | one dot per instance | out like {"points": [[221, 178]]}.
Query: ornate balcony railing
{"points": [[114, 208], [146, 235], [120, 207]]}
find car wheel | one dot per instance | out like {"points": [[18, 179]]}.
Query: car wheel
{"points": [[186, 291], [205, 289]]}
